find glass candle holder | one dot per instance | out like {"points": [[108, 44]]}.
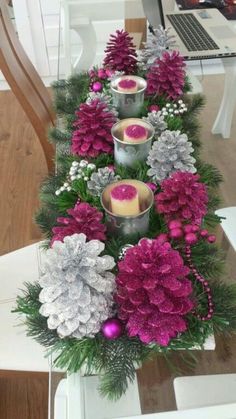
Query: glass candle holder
{"points": [[129, 153], [128, 225], [128, 104]]}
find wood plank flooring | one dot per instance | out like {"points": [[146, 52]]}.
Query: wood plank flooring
{"points": [[22, 168]]}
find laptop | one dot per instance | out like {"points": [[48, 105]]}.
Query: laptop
{"points": [[202, 34]]}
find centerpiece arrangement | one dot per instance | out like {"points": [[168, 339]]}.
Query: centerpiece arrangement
{"points": [[131, 266]]}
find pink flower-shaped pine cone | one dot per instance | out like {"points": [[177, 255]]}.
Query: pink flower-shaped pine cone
{"points": [[82, 219], [92, 133], [153, 292], [183, 197], [167, 76], [121, 53]]}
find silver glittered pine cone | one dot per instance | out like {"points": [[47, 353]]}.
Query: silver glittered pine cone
{"points": [[157, 119], [156, 44], [172, 152], [77, 287], [100, 179], [103, 97]]}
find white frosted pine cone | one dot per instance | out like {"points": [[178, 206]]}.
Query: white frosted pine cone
{"points": [[77, 287]]}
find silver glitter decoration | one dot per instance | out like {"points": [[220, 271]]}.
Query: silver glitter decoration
{"points": [[115, 74], [156, 44], [157, 119], [100, 179], [172, 152], [103, 97], [77, 287], [123, 251]]}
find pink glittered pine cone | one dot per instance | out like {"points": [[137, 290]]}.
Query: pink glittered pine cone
{"points": [[167, 76], [92, 133], [83, 218], [121, 53], [183, 198], [153, 292]]}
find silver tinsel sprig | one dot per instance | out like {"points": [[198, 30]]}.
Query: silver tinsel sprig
{"points": [[172, 152], [156, 44], [78, 170], [100, 179], [157, 119], [77, 287]]}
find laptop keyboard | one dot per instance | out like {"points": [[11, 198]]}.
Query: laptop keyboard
{"points": [[191, 32]]}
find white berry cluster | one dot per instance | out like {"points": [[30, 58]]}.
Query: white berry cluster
{"points": [[174, 109], [78, 170]]}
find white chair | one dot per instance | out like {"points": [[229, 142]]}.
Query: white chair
{"points": [[228, 224], [205, 390]]}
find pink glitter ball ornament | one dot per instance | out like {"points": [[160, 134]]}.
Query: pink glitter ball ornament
{"points": [[154, 108], [97, 86], [183, 197], [112, 329], [167, 76], [152, 186], [83, 218], [92, 133], [153, 291]]}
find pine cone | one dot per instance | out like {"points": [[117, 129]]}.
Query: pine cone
{"points": [[167, 76], [156, 44], [100, 179], [83, 219], [77, 287], [183, 198], [157, 120], [92, 134], [120, 53], [153, 291], [172, 152]]}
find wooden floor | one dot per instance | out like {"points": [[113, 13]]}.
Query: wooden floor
{"points": [[22, 168]]}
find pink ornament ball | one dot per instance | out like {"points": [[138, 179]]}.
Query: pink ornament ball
{"points": [[174, 224], [154, 108], [195, 228], [97, 86], [191, 239], [204, 233], [152, 186], [176, 233], [211, 238], [188, 229], [112, 329]]}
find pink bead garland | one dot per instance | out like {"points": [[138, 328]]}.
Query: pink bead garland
{"points": [[205, 286]]}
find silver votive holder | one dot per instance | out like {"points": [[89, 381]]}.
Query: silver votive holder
{"points": [[128, 225], [129, 154], [128, 104]]}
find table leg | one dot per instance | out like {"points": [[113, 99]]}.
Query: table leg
{"points": [[223, 120]]}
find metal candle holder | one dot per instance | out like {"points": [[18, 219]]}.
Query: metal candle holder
{"points": [[127, 153], [128, 104], [128, 225]]}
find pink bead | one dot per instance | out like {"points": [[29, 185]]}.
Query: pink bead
{"points": [[194, 271], [188, 228], [211, 311], [153, 108], [204, 233], [97, 86], [174, 224], [209, 316], [208, 289], [176, 233], [102, 74], [191, 238], [195, 228], [205, 283], [211, 238], [204, 318]]}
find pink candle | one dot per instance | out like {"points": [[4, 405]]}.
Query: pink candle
{"points": [[135, 133], [124, 200], [127, 86]]}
